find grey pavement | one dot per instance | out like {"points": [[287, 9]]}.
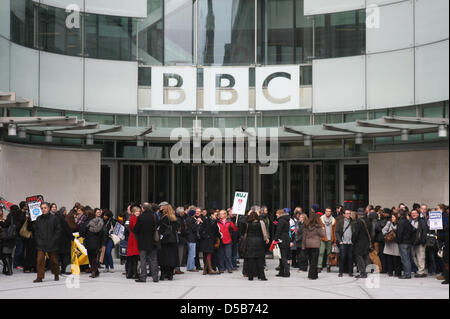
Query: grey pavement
{"points": [[224, 286]]}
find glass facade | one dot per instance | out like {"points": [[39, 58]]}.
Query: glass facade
{"points": [[22, 22], [226, 32], [151, 34], [55, 36]]}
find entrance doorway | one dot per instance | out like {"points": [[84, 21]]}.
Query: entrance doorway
{"points": [[356, 186]]}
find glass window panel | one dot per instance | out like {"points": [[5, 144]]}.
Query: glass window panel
{"points": [[110, 37], [306, 75], [334, 118], [142, 121], [226, 34], [410, 111], [270, 190], [101, 119], [303, 34], [384, 140], [230, 122], [299, 186], [377, 114], [55, 36], [436, 111], [331, 148], [123, 120], [340, 34], [151, 36], [130, 150], [165, 121], [356, 150], [320, 119], [131, 184], [330, 184], [296, 120], [355, 116], [430, 136], [270, 121], [276, 32], [145, 77], [411, 138], [22, 22], [294, 150], [15, 112], [72, 141], [72, 114], [186, 185], [48, 113], [178, 32]]}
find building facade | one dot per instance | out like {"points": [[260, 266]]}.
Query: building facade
{"points": [[294, 65]]}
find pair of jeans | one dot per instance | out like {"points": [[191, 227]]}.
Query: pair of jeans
{"points": [[191, 256], [108, 261], [430, 260], [18, 253], [406, 256], [234, 254], [225, 257], [346, 258], [313, 258], [153, 256], [324, 246]]}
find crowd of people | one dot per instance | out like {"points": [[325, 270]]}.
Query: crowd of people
{"points": [[160, 240]]}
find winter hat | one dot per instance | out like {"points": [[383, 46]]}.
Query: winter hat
{"points": [[315, 207], [287, 210], [191, 212], [361, 212]]}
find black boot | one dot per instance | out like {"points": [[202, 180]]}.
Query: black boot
{"points": [[9, 270]]}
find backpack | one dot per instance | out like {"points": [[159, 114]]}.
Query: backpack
{"points": [[10, 233]]}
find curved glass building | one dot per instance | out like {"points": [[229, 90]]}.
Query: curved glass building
{"points": [[356, 90]]}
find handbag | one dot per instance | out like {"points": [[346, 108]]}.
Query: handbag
{"points": [[391, 236], [243, 243], [431, 241], [333, 259], [115, 239], [24, 232], [276, 252], [11, 232], [335, 249]]}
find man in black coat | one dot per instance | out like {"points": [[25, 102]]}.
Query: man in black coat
{"points": [[361, 242], [405, 240], [47, 231], [282, 237], [144, 231]]}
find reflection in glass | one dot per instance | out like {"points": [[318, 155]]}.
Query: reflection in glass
{"points": [[226, 32], [300, 186], [151, 36], [214, 183], [340, 34], [55, 36], [303, 34], [131, 184], [178, 32], [110, 38], [22, 22]]}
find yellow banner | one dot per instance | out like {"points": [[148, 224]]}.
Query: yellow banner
{"points": [[79, 254]]}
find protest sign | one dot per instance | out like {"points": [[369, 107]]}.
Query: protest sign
{"points": [[240, 203], [34, 206], [436, 221]]}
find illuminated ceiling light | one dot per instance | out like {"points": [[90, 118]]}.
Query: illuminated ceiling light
{"points": [[12, 129], [90, 139], [405, 134], [358, 139], [307, 140], [443, 131], [48, 136]]}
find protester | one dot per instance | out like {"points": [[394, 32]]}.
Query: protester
{"points": [[327, 241], [47, 230], [193, 223], [343, 234], [225, 226], [90, 230], [64, 242], [107, 242], [301, 254], [168, 255], [209, 232], [405, 239], [145, 231], [361, 242], [282, 238], [256, 240], [314, 230], [420, 239], [10, 234], [182, 215], [132, 246]]}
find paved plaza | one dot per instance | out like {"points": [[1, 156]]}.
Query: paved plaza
{"points": [[224, 286]]}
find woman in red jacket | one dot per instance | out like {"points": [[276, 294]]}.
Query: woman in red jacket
{"points": [[132, 248], [226, 242]]}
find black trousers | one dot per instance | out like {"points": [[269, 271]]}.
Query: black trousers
{"points": [[346, 258], [361, 262], [302, 259], [313, 259], [132, 262], [393, 265], [255, 268], [284, 265]]}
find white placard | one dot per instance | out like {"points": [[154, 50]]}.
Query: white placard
{"points": [[174, 89], [240, 203], [35, 210], [226, 89], [277, 88], [436, 221]]}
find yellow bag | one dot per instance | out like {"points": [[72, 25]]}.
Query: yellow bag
{"points": [[79, 254]]}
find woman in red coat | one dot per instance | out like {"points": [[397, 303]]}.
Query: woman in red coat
{"points": [[132, 248]]}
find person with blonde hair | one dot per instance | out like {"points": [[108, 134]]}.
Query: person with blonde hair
{"points": [[168, 255]]}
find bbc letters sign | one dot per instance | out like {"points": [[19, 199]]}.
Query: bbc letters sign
{"points": [[225, 88]]}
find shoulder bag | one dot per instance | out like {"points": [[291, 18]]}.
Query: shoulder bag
{"points": [[243, 243], [24, 232]]}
